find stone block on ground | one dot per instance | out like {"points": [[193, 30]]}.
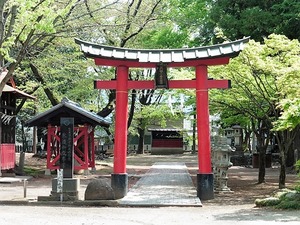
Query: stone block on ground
{"points": [[99, 189]]}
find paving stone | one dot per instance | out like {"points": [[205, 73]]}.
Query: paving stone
{"points": [[165, 184]]}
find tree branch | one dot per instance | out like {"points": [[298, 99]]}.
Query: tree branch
{"points": [[54, 101], [147, 20]]}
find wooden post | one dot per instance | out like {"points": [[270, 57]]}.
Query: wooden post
{"points": [[120, 177], [205, 188]]}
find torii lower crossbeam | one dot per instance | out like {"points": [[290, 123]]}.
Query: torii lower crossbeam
{"points": [[173, 84]]}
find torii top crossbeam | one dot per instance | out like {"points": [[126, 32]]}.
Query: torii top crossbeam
{"points": [[200, 58], [149, 58]]}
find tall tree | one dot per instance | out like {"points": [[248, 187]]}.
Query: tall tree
{"points": [[256, 92], [286, 58]]}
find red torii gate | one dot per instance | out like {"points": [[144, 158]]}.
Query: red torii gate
{"points": [[200, 58]]}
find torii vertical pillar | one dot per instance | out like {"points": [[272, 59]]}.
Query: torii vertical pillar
{"points": [[119, 178], [205, 178]]}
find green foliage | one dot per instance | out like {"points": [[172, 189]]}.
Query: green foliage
{"points": [[289, 200], [285, 199], [233, 18], [34, 172], [253, 87], [292, 204], [285, 56], [155, 114], [191, 17], [28, 22], [264, 77], [65, 65], [164, 37]]}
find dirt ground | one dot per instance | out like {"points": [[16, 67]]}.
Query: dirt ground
{"points": [[242, 181]]}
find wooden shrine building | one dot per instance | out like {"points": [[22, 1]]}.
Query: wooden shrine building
{"points": [[8, 105], [162, 59], [83, 139], [166, 141]]}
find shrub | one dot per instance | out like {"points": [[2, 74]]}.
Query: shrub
{"points": [[271, 201]]}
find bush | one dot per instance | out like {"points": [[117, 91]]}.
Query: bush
{"points": [[284, 199], [288, 204]]}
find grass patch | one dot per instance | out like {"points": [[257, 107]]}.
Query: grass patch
{"points": [[34, 172]]}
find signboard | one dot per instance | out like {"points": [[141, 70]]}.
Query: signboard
{"points": [[161, 80], [59, 181], [67, 146]]}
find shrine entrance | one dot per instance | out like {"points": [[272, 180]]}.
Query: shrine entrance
{"points": [[199, 58]]}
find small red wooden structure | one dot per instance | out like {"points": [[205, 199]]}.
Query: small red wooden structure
{"points": [[199, 58], [84, 149], [166, 141], [8, 104], [84, 124]]}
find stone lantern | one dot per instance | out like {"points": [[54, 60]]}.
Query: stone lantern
{"points": [[221, 162]]}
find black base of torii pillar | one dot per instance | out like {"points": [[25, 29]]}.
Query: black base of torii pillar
{"points": [[119, 183]]}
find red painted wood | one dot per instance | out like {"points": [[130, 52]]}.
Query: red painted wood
{"points": [[83, 154], [105, 84], [120, 147], [86, 147], [141, 84], [135, 64], [165, 143], [8, 156], [173, 84], [204, 151], [92, 141]]}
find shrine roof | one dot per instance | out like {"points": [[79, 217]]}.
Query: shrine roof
{"points": [[184, 57], [67, 108], [17, 92]]}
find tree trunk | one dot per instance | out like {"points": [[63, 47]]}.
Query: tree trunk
{"points": [[20, 170], [263, 135], [54, 101], [285, 141], [107, 110], [140, 149], [262, 165], [290, 157], [282, 174], [247, 143]]}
